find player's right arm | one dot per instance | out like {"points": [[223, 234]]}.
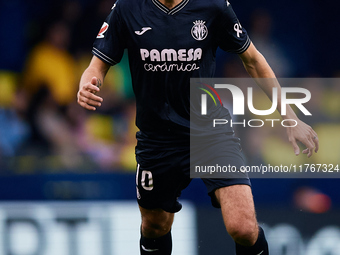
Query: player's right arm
{"points": [[90, 83]]}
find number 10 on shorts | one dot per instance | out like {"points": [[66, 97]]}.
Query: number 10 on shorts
{"points": [[146, 180]]}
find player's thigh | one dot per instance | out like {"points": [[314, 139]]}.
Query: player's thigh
{"points": [[238, 211], [155, 222]]}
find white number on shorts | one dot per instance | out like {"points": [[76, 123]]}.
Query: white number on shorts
{"points": [[147, 175], [146, 178]]}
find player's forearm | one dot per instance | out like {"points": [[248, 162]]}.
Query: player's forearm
{"points": [[98, 69], [90, 82], [259, 69], [266, 80], [255, 63], [89, 73]]}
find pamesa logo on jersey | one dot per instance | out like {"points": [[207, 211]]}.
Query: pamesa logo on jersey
{"points": [[199, 31]]}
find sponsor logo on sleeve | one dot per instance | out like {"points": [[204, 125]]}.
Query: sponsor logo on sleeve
{"points": [[102, 31], [238, 29]]}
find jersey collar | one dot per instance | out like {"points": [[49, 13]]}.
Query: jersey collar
{"points": [[172, 11]]}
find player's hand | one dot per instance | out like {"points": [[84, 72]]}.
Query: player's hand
{"points": [[86, 95], [306, 135]]}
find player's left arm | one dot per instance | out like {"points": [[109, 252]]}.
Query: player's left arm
{"points": [[257, 67]]}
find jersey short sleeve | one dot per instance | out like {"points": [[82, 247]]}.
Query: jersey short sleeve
{"points": [[110, 42], [232, 37]]}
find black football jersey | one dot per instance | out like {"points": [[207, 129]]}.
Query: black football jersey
{"points": [[166, 47]]}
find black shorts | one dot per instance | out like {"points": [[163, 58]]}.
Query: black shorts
{"points": [[164, 171]]}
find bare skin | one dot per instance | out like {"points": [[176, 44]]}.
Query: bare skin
{"points": [[170, 3], [156, 222], [257, 67], [92, 77], [236, 201], [238, 213]]}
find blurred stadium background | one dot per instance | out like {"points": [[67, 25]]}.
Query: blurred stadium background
{"points": [[67, 175]]}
